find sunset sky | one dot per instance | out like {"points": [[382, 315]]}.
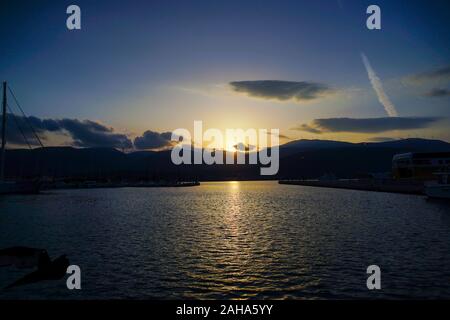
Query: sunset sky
{"points": [[300, 66]]}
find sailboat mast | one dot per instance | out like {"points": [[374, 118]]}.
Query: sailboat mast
{"points": [[2, 165]]}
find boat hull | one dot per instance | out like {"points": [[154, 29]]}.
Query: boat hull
{"points": [[438, 191]]}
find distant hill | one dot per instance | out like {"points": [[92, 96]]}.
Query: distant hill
{"points": [[411, 143], [298, 159], [317, 157], [295, 146], [316, 144], [414, 143]]}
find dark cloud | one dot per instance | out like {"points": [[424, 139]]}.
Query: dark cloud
{"points": [[88, 133], [437, 74], [15, 136], [243, 147], [153, 140], [282, 90], [281, 136], [42, 125], [84, 133], [438, 93], [366, 125]]}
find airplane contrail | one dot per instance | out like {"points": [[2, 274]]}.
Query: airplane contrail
{"points": [[378, 87]]}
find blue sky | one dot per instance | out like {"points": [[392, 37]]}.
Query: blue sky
{"points": [[160, 65]]}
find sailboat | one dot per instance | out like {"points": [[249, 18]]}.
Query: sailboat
{"points": [[12, 186]]}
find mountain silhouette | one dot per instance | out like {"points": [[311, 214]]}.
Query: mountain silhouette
{"points": [[298, 159]]}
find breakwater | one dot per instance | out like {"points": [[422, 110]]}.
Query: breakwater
{"points": [[382, 185]]}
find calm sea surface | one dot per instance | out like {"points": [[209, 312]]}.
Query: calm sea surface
{"points": [[232, 240]]}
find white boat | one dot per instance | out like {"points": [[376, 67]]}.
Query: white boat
{"points": [[12, 187], [440, 188]]}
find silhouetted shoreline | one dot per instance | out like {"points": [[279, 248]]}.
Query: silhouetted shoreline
{"points": [[392, 186], [299, 160], [100, 185]]}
